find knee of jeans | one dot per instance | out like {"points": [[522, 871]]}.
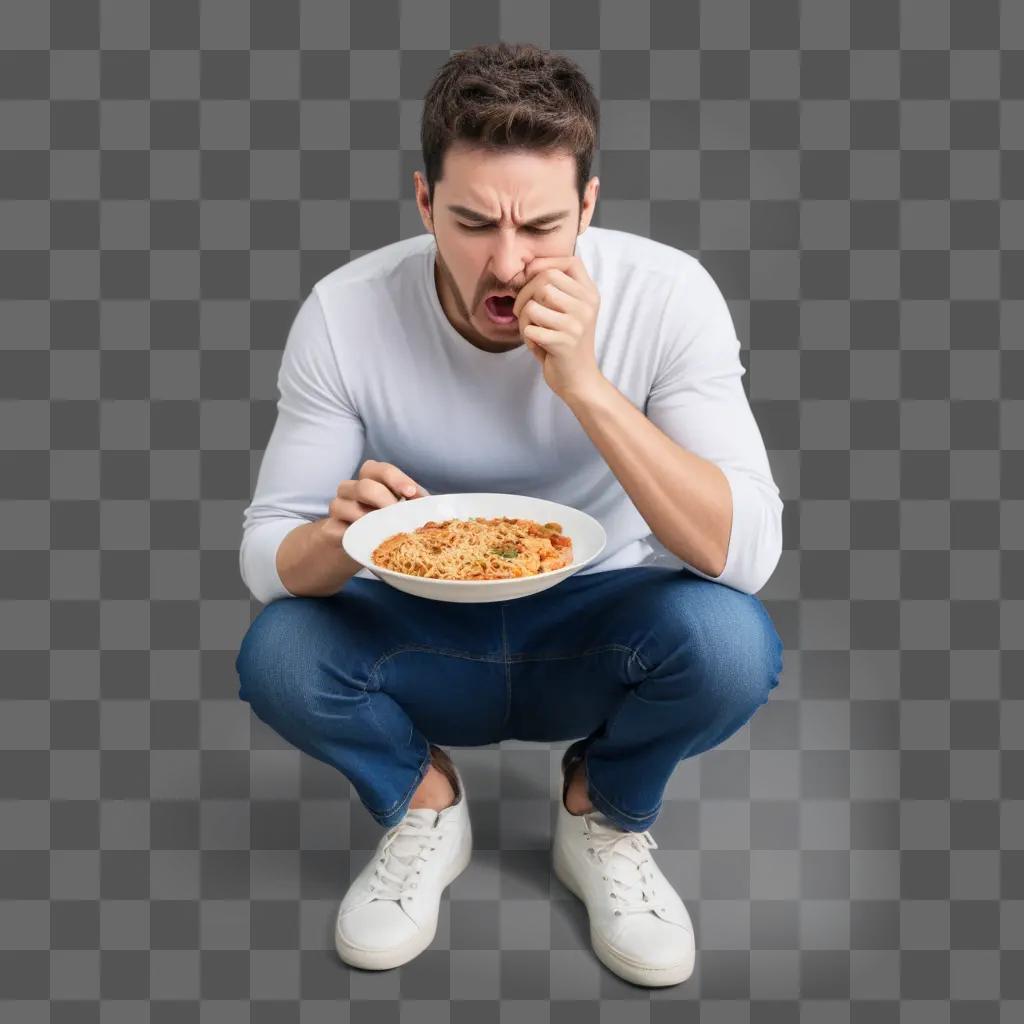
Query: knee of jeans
{"points": [[739, 649], [267, 660]]}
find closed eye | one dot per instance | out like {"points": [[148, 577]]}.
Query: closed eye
{"points": [[485, 227]]}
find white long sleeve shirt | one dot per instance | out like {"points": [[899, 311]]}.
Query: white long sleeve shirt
{"points": [[373, 369]]}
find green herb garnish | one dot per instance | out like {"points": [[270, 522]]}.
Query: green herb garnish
{"points": [[505, 552]]}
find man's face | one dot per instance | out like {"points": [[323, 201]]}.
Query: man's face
{"points": [[493, 213]]}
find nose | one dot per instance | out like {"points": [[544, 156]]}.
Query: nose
{"points": [[509, 258]]}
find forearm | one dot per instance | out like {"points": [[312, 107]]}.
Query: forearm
{"points": [[684, 499], [311, 564]]}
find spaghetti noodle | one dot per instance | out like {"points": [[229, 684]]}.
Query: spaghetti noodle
{"points": [[476, 549]]}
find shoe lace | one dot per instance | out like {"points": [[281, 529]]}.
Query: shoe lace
{"points": [[406, 843], [628, 857]]}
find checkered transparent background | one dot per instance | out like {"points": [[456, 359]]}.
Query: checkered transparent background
{"points": [[175, 176]]}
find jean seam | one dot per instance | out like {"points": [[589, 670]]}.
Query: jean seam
{"points": [[421, 773], [593, 650], [644, 667], [420, 770], [508, 672], [597, 792], [624, 814], [423, 649], [611, 804]]}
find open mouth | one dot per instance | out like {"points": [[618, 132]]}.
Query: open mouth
{"points": [[499, 308]]}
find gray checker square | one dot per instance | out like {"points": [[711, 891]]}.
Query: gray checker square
{"points": [[174, 178]]}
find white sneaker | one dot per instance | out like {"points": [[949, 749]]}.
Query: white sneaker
{"points": [[639, 927], [389, 914]]}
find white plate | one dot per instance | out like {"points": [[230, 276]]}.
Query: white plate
{"points": [[363, 536]]}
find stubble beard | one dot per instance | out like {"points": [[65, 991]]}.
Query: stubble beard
{"points": [[441, 268], [466, 327]]}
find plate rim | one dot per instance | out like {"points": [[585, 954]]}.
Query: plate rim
{"points": [[575, 566]]}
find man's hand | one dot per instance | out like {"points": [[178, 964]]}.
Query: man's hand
{"points": [[557, 310], [379, 484]]}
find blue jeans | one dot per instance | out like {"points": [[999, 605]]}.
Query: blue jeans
{"points": [[646, 666]]}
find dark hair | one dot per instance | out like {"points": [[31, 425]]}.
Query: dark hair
{"points": [[510, 96]]}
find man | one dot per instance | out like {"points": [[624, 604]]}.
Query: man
{"points": [[513, 348]]}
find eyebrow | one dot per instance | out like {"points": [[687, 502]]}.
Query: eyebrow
{"points": [[481, 218]]}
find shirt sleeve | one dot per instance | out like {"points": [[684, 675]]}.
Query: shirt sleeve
{"points": [[697, 399], [317, 441]]}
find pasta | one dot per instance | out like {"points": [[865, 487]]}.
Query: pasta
{"points": [[476, 549]]}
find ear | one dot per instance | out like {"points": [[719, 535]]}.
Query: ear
{"points": [[423, 200], [589, 203]]}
